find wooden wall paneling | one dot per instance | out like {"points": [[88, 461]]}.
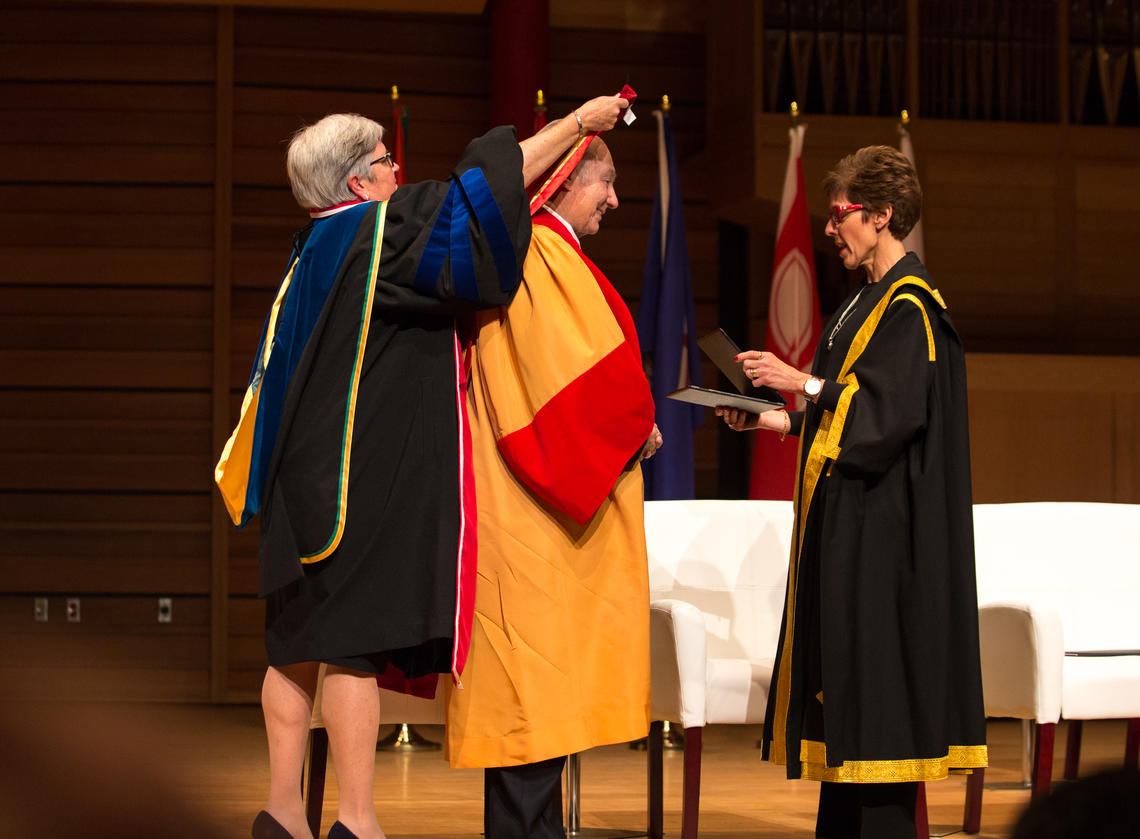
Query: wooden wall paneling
{"points": [[103, 406], [1126, 430], [324, 30], [737, 31], [585, 63], [110, 542], [1102, 222], [86, 227], [105, 368], [254, 103], [632, 15], [913, 61], [175, 305], [97, 265], [124, 97], [221, 420], [105, 344], [119, 62], [1025, 444], [1062, 57], [307, 50], [243, 561], [118, 650], [56, 116], [342, 68], [246, 648], [114, 164], [107, 557], [36, 317], [27, 22]]}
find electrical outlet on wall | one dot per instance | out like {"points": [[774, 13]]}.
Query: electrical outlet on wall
{"points": [[73, 610], [40, 609], [165, 610]]}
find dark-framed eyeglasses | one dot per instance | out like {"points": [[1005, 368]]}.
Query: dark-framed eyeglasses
{"points": [[385, 159], [842, 211]]}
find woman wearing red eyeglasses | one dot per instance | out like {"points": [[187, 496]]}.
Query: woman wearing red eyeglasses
{"points": [[877, 683]]}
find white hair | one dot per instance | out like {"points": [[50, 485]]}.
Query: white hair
{"points": [[324, 155]]}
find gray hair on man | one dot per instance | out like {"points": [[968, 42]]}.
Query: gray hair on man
{"points": [[323, 156]]}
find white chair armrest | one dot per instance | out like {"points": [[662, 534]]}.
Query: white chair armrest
{"points": [[678, 653], [1023, 655]]}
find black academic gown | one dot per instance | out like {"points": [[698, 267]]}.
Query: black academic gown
{"points": [[389, 591], [877, 676]]}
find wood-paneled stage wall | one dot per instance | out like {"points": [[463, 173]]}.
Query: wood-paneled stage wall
{"points": [[146, 220]]}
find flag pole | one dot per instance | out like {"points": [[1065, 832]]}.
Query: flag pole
{"points": [[398, 144], [914, 239], [539, 111], [794, 113]]}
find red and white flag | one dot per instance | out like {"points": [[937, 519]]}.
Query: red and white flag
{"points": [[793, 321], [913, 241]]}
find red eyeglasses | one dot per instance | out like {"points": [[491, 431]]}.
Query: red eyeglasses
{"points": [[841, 211]]}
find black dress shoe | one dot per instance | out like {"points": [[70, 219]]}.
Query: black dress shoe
{"points": [[267, 827], [339, 831]]}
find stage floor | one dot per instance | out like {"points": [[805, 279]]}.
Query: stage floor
{"points": [[207, 765]]}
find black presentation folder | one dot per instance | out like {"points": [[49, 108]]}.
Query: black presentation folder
{"points": [[721, 349]]}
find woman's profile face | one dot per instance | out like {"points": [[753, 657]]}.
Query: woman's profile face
{"points": [[854, 233], [383, 181]]}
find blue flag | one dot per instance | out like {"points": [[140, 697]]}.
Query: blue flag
{"points": [[666, 329]]}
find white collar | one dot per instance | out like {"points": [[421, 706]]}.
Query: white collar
{"points": [[325, 212], [563, 222]]}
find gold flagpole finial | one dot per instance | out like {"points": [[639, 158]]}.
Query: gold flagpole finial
{"points": [[665, 104], [540, 99], [395, 93], [905, 116], [794, 112]]}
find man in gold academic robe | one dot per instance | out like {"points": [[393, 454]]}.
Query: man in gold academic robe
{"points": [[561, 414]]}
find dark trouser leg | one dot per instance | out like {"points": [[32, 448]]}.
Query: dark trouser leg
{"points": [[524, 802], [888, 810], [838, 816], [869, 811]]}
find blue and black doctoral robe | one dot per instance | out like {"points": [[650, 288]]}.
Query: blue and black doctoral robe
{"points": [[353, 445]]}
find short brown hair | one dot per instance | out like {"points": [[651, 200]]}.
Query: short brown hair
{"points": [[879, 177]]}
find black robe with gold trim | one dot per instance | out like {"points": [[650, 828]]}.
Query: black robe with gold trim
{"points": [[877, 675]]}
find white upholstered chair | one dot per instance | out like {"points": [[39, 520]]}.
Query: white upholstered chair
{"points": [[717, 576], [1058, 587]]}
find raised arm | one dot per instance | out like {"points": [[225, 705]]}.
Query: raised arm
{"points": [[543, 149]]}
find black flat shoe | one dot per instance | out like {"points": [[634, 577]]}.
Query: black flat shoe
{"points": [[267, 827], [339, 831]]}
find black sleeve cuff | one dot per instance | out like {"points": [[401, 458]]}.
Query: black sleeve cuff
{"points": [[829, 396]]}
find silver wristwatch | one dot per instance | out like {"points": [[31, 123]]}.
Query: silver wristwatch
{"points": [[813, 387]]}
